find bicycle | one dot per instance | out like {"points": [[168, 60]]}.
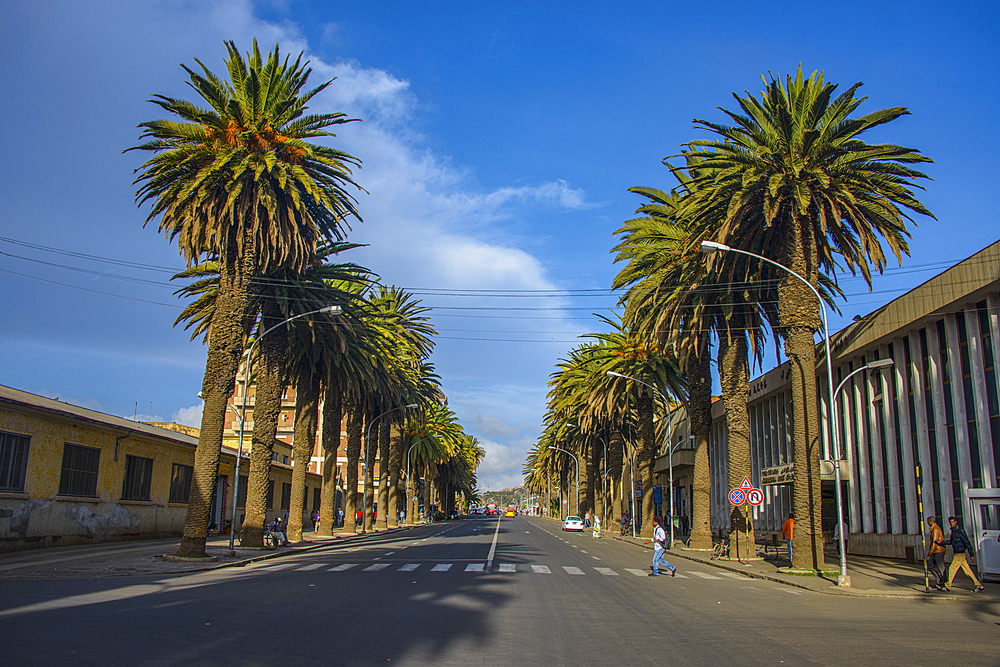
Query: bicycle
{"points": [[720, 550]]}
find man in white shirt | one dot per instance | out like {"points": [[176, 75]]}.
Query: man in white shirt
{"points": [[659, 538]]}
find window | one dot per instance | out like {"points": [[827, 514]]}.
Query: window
{"points": [[286, 496], [241, 491], [180, 483], [138, 478], [317, 494], [13, 461], [79, 471], [284, 459], [270, 494]]}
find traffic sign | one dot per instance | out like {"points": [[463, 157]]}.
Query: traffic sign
{"points": [[737, 496], [755, 497], [745, 484]]}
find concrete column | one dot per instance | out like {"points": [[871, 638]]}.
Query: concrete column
{"points": [[864, 470], [891, 444], [977, 366], [899, 374], [875, 451], [918, 382], [940, 429], [963, 448]]}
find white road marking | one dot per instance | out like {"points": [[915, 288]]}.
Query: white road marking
{"points": [[283, 566], [377, 567], [409, 567], [474, 567], [788, 591], [314, 566], [638, 573], [441, 567], [508, 567], [733, 575], [606, 571], [595, 558], [572, 570], [704, 575], [388, 553], [541, 569], [341, 568], [493, 547]]}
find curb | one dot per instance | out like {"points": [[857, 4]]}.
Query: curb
{"points": [[766, 577]]}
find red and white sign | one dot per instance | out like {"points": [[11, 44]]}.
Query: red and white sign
{"points": [[746, 493]]}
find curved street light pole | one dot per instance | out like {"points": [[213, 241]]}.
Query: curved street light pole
{"points": [[333, 310], [577, 461], [368, 451], [666, 437], [709, 247]]}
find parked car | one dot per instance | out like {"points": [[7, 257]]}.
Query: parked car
{"points": [[573, 523]]}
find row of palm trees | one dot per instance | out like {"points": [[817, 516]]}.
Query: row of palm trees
{"points": [[261, 213], [789, 180]]}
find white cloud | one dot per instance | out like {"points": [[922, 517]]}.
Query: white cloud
{"points": [[189, 416]]}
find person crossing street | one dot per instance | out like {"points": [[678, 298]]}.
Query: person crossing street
{"points": [[659, 538]]}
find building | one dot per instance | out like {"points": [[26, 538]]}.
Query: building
{"points": [[934, 410], [71, 475]]}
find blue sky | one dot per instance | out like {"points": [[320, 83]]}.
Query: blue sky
{"points": [[498, 145]]}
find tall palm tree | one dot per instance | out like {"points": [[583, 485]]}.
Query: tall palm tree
{"points": [[239, 182], [792, 176]]}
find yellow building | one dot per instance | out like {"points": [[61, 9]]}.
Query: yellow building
{"points": [[72, 475]]}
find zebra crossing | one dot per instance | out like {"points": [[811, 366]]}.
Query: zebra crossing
{"points": [[501, 568]]}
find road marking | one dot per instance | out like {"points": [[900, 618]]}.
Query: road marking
{"points": [[441, 567], [595, 558], [541, 569], [508, 567], [704, 575], [606, 571], [388, 553], [581, 550], [493, 547], [680, 576], [788, 591], [572, 570], [283, 566], [474, 567], [638, 573], [377, 567], [733, 575], [409, 567], [341, 568], [314, 566]]}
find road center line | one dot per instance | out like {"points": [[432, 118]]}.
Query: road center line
{"points": [[493, 547]]}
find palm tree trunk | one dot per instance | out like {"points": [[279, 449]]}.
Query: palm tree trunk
{"points": [[383, 474], [700, 408], [735, 379], [645, 458], [270, 380], [369, 453], [395, 463], [332, 418], [616, 456], [586, 475], [306, 417], [225, 349], [799, 313], [354, 427]]}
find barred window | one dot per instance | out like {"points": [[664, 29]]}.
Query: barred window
{"points": [[270, 494], [286, 496], [138, 478], [13, 461], [180, 483], [79, 471]]}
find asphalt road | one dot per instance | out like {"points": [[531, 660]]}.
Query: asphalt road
{"points": [[424, 596]]}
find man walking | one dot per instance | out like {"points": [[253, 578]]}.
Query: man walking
{"points": [[935, 554], [659, 538], [787, 530], [961, 545]]}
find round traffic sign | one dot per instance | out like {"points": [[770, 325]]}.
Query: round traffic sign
{"points": [[755, 497], [737, 497]]}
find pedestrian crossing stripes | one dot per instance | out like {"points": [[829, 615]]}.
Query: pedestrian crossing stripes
{"points": [[409, 567], [508, 567], [704, 575], [441, 567], [341, 568], [734, 575], [313, 566], [541, 569], [572, 570], [638, 573], [474, 567], [606, 571], [377, 567]]}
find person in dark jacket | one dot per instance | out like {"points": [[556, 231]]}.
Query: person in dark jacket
{"points": [[962, 547]]}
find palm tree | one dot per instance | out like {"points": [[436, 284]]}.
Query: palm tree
{"points": [[239, 183], [792, 177]]}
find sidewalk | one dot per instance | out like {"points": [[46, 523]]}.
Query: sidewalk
{"points": [[871, 577], [117, 559]]}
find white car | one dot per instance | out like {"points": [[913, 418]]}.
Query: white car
{"points": [[573, 523]]}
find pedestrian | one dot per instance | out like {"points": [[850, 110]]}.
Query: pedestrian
{"points": [[659, 538], [315, 521], [840, 533], [597, 526], [962, 548], [787, 530], [935, 553], [357, 517], [340, 517], [586, 520], [624, 522]]}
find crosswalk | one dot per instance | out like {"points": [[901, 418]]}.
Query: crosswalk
{"points": [[502, 568]]}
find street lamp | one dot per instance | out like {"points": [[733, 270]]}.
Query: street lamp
{"points": [[666, 436], [332, 310], [368, 451], [577, 461], [709, 247], [409, 500]]}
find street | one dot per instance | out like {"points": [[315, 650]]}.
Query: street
{"points": [[423, 596]]}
